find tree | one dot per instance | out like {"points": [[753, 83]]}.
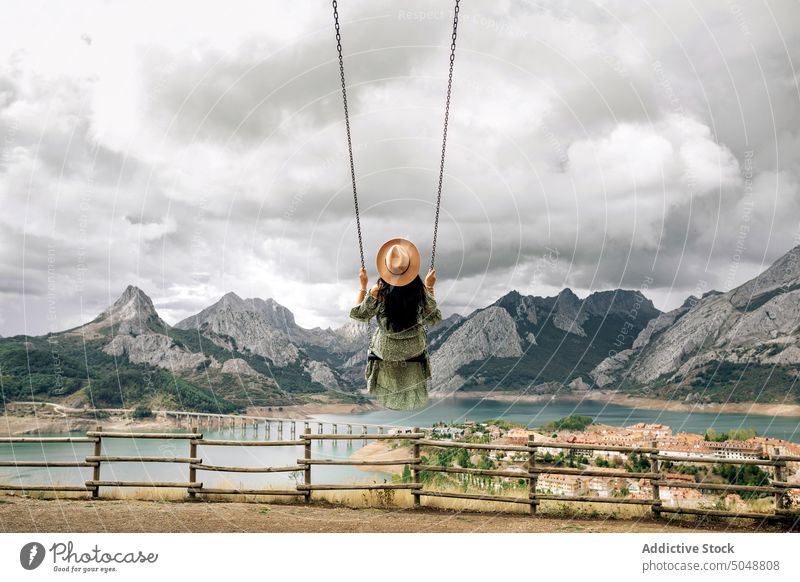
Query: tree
{"points": [[637, 463], [573, 422], [462, 457], [743, 475]]}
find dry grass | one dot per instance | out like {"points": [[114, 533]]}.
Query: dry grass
{"points": [[403, 499]]}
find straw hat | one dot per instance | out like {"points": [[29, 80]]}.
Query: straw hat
{"points": [[398, 262]]}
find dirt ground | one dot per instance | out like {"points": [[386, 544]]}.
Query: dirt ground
{"points": [[21, 514]]}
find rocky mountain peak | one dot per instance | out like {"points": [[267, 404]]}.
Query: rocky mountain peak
{"points": [[133, 311], [231, 305], [622, 302], [568, 315], [132, 295], [232, 298], [567, 294], [782, 275]]}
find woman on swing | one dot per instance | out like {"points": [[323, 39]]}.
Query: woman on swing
{"points": [[398, 368]]}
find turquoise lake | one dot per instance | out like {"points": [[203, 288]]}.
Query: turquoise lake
{"points": [[456, 410], [538, 413]]}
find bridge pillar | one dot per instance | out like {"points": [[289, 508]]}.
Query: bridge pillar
{"points": [[319, 429], [349, 429], [335, 429]]}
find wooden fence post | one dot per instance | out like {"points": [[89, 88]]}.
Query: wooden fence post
{"points": [[307, 456], [96, 470], [655, 467], [778, 477], [414, 468], [533, 477], [192, 469]]}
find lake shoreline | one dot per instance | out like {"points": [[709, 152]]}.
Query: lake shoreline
{"points": [[756, 408], [47, 419], [381, 451]]}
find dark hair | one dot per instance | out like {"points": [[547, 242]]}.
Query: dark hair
{"points": [[402, 305]]}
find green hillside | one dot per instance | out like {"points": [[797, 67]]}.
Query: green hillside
{"points": [[62, 367], [53, 367]]}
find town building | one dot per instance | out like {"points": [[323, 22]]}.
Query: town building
{"points": [[735, 450], [448, 431], [561, 484]]}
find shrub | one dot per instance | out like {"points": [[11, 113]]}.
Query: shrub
{"points": [[142, 412]]}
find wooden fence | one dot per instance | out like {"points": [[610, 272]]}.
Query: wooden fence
{"points": [[777, 486]]}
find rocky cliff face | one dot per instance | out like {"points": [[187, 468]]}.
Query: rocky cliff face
{"points": [[267, 328], [756, 323], [490, 333], [262, 327], [531, 343], [157, 350]]}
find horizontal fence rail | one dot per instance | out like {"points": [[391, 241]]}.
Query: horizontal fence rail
{"points": [[530, 472]]}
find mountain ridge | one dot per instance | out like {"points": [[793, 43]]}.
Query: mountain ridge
{"points": [[744, 343], [750, 331]]}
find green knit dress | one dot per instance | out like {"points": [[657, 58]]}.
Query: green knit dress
{"points": [[397, 384]]}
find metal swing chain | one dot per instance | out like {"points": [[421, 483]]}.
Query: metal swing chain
{"points": [[444, 135], [347, 126], [350, 141]]}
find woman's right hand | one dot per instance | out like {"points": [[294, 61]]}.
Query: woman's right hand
{"points": [[430, 279]]}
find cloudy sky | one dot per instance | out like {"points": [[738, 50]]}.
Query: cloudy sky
{"points": [[198, 148]]}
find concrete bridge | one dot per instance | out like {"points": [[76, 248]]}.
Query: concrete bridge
{"points": [[294, 426], [244, 422]]}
